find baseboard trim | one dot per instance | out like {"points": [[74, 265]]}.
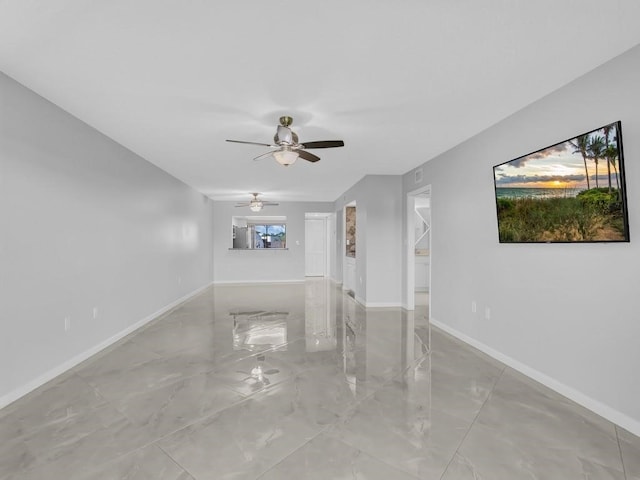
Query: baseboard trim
{"points": [[373, 305], [383, 305], [72, 362], [605, 411], [256, 282]]}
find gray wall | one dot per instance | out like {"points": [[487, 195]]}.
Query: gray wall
{"points": [[262, 265], [84, 224], [564, 313], [378, 238]]}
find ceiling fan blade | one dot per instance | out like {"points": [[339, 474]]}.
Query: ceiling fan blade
{"points": [[242, 204], [269, 204], [259, 157], [308, 156], [323, 144], [252, 143]]}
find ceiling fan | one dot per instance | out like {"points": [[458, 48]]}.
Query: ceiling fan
{"points": [[288, 148], [255, 204]]}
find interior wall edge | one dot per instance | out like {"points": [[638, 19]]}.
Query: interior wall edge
{"points": [[609, 413], [67, 365]]}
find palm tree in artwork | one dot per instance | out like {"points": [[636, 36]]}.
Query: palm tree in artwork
{"points": [[581, 145], [607, 130], [611, 154], [596, 151]]}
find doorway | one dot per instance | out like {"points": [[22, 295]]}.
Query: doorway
{"points": [[419, 253], [350, 249]]}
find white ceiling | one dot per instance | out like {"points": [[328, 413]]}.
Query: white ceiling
{"points": [[398, 81]]}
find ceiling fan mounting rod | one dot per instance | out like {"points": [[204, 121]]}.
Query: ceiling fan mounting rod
{"points": [[286, 121]]}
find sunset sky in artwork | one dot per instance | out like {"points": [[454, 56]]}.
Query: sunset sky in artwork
{"points": [[553, 167]]}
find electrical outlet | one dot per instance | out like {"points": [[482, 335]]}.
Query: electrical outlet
{"points": [[67, 324], [474, 306], [179, 280], [487, 313], [95, 312]]}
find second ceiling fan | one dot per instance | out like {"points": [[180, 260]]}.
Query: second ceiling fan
{"points": [[288, 147], [255, 204]]}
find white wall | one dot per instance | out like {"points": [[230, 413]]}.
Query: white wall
{"points": [[261, 265], [84, 224], [378, 238], [565, 313]]}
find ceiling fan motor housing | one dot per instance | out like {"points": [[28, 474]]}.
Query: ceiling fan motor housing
{"points": [[285, 135]]}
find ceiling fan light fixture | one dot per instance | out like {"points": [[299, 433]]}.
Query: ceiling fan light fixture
{"points": [[285, 157], [256, 205]]}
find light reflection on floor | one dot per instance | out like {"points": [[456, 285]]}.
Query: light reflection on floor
{"points": [[300, 381]]}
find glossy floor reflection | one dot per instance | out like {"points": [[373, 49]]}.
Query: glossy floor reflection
{"points": [[298, 381]]}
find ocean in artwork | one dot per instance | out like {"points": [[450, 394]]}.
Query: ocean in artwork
{"points": [[537, 193]]}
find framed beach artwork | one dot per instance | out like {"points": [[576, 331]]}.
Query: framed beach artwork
{"points": [[573, 191]]}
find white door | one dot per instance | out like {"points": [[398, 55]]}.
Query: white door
{"points": [[315, 237]]}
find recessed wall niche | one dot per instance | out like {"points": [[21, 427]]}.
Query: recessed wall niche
{"points": [[350, 230]]}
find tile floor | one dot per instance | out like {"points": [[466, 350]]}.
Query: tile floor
{"points": [[299, 382]]}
